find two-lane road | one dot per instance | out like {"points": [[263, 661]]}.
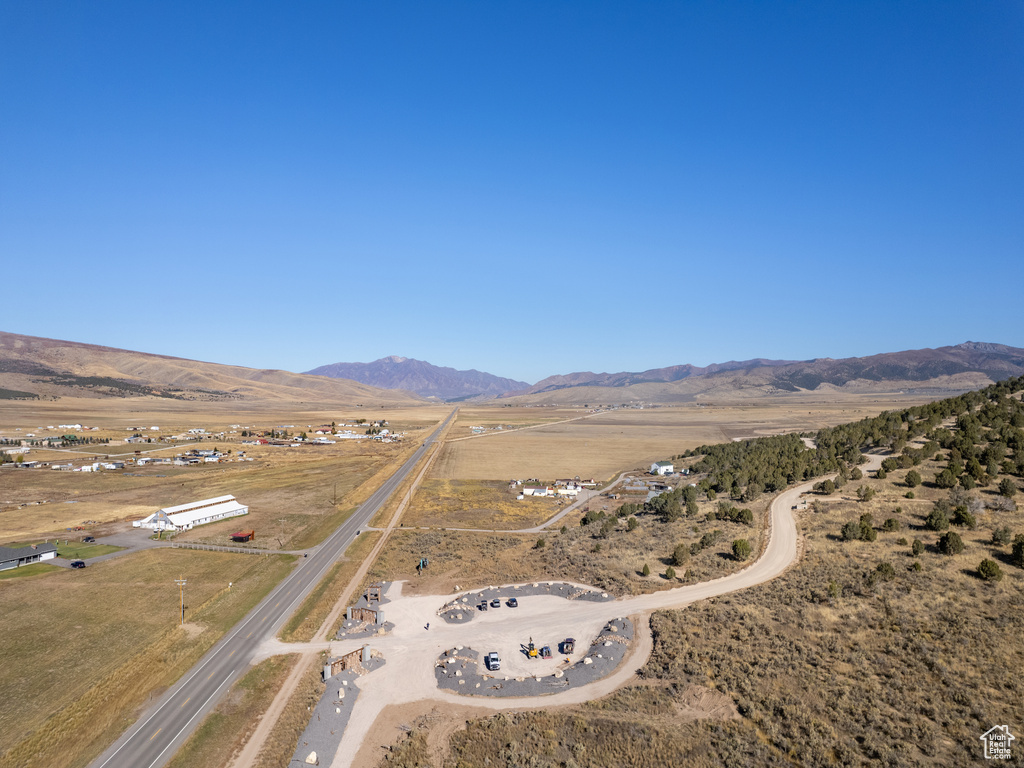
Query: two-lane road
{"points": [[155, 737]]}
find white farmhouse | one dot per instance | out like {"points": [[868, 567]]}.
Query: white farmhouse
{"points": [[186, 516], [662, 468]]}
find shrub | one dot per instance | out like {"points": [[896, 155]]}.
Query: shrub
{"points": [[1017, 557], [989, 570], [632, 524], [908, 495], [945, 479], [964, 518], [864, 493], [1001, 536], [916, 566], [681, 555], [917, 547], [902, 541], [647, 570], [741, 549], [937, 519], [891, 524], [1007, 488], [540, 544], [913, 478], [867, 533], [851, 531], [950, 543], [670, 573], [856, 474], [885, 571], [881, 474]]}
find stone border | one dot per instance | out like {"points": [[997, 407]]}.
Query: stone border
{"points": [[457, 669], [462, 608]]}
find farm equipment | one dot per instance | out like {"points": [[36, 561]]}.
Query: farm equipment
{"points": [[531, 650], [545, 652], [422, 565], [568, 645]]}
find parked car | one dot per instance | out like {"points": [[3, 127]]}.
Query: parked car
{"points": [[513, 603], [496, 603], [89, 539], [78, 563], [483, 606], [492, 661]]}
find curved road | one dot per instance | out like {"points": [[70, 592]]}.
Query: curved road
{"points": [[158, 734], [411, 651]]}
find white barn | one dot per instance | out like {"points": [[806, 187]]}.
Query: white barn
{"points": [[186, 516]]}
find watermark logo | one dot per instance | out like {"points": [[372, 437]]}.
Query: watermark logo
{"points": [[997, 742]]}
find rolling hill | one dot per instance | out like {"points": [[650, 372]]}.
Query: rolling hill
{"points": [[33, 367], [944, 370], [422, 378]]}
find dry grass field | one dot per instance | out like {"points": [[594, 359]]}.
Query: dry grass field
{"points": [[109, 634], [612, 560], [476, 504], [604, 444]]}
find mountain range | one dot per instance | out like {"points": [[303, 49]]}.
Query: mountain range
{"points": [[424, 379], [958, 368], [32, 367]]}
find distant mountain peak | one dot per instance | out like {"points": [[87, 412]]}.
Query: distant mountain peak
{"points": [[396, 372]]}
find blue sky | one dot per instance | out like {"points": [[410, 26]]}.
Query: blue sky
{"points": [[523, 188]]}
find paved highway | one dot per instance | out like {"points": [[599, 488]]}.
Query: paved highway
{"points": [[161, 731]]}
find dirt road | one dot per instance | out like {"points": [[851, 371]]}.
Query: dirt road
{"points": [[411, 649]]}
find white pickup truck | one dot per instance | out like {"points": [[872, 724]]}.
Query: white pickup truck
{"points": [[492, 661]]}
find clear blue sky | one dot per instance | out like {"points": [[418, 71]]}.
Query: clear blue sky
{"points": [[526, 188]]}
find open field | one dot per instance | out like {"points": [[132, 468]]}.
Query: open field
{"points": [[477, 504], [604, 444], [174, 416], [110, 633]]}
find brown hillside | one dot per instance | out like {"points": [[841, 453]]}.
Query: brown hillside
{"points": [[52, 368]]}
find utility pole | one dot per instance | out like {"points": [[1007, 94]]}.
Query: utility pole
{"points": [[181, 593]]}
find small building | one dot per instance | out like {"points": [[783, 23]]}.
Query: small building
{"points": [[662, 468], [186, 516], [538, 491], [15, 557], [243, 536]]}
